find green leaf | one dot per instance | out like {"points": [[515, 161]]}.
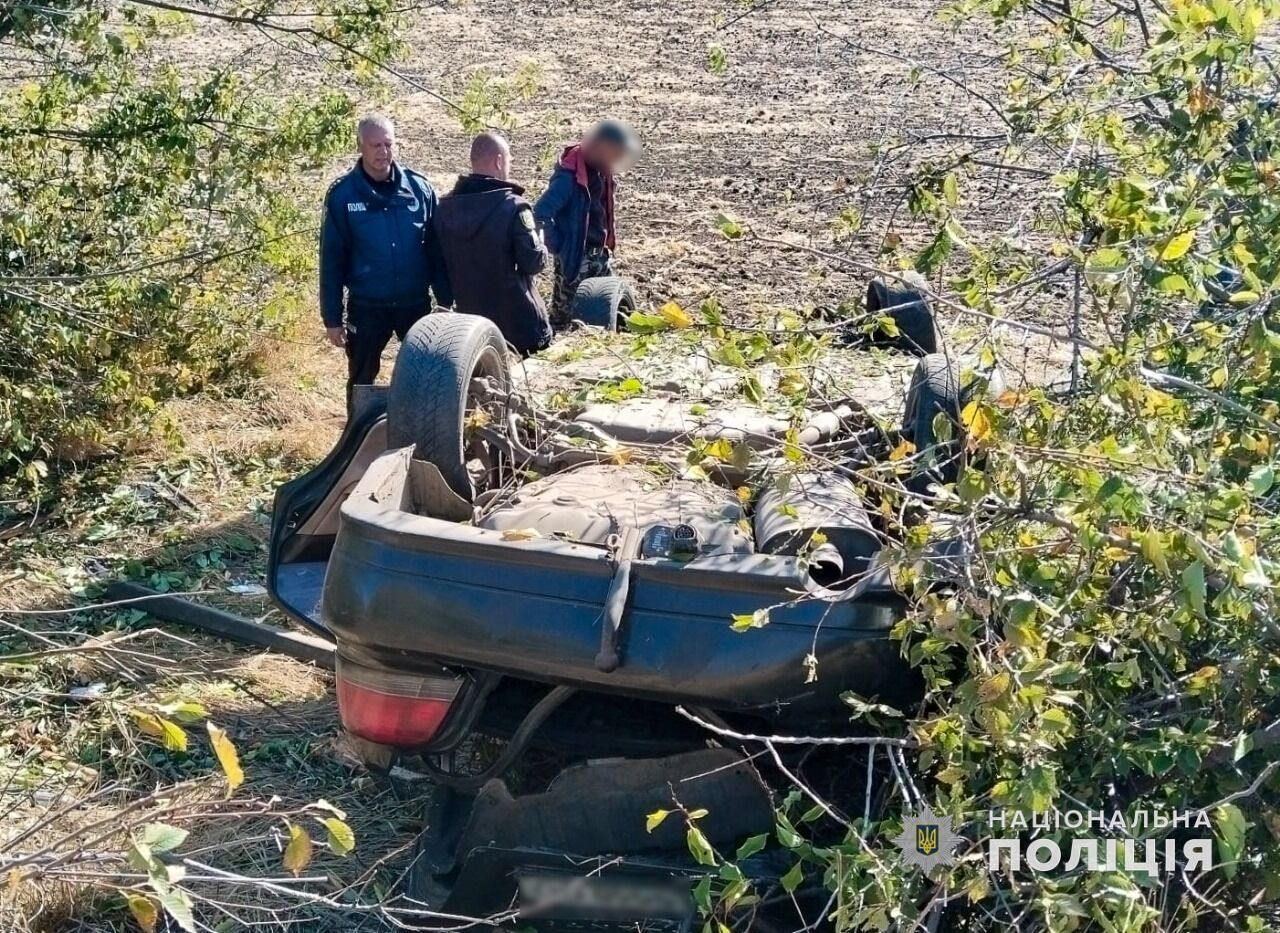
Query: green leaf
{"points": [[791, 880], [1232, 828], [1262, 479], [161, 837], [1193, 583], [341, 837], [1107, 259], [702, 894], [177, 905], [139, 856], [1174, 284], [752, 846], [700, 847], [1243, 745], [931, 258], [729, 228], [641, 323]]}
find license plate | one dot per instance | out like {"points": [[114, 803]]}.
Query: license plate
{"points": [[605, 897]]}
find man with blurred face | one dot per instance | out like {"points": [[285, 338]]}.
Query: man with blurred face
{"points": [[492, 249], [379, 258], [576, 212]]}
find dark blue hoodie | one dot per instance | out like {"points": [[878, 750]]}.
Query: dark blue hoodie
{"points": [[381, 249]]}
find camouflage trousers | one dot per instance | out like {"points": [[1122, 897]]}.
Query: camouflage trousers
{"points": [[595, 263]]}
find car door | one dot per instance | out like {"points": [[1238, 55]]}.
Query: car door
{"points": [[304, 518]]}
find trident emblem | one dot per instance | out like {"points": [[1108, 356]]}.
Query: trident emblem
{"points": [[927, 838]]}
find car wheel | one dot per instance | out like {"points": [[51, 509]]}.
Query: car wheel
{"points": [[910, 311], [433, 398], [934, 390], [601, 302]]}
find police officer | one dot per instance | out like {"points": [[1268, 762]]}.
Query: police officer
{"points": [[378, 245], [576, 212], [491, 248]]}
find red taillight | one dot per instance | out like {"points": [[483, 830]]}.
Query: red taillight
{"points": [[393, 707]]}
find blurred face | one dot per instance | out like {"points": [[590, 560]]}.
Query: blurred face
{"points": [[607, 155], [377, 151]]}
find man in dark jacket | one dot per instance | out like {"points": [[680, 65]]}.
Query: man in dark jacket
{"points": [[377, 245], [492, 249], [576, 212]]}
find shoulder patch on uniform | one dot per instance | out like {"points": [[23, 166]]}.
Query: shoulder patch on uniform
{"points": [[526, 218], [356, 206]]}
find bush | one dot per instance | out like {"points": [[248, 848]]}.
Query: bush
{"points": [[1114, 648], [155, 220]]}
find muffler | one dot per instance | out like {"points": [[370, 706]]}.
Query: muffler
{"points": [[789, 513]]}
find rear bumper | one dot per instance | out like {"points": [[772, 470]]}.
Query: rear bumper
{"points": [[405, 589]]}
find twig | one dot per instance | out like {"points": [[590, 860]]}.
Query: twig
{"points": [[795, 739]]}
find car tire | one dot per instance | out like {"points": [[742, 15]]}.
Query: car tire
{"points": [[910, 311], [934, 390], [602, 302], [430, 392]]}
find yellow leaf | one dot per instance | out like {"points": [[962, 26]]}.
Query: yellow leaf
{"points": [[297, 854], [1203, 678], [227, 756], [341, 838], [520, 534], [744, 493], [622, 456], [144, 912], [168, 732], [994, 687], [654, 820], [1178, 246], [1008, 399], [976, 423], [979, 889], [1153, 549], [675, 315], [902, 451]]}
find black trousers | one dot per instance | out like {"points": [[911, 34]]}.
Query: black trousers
{"points": [[595, 263], [369, 330]]}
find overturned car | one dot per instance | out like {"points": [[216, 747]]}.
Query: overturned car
{"points": [[559, 579]]}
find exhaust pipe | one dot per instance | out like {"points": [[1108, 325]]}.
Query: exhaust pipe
{"points": [[788, 515]]}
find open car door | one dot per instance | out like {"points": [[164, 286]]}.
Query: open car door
{"points": [[304, 520]]}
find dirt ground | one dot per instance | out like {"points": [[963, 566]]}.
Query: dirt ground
{"points": [[815, 114]]}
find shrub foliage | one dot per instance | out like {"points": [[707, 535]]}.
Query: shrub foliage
{"points": [[152, 217], [1114, 647]]}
